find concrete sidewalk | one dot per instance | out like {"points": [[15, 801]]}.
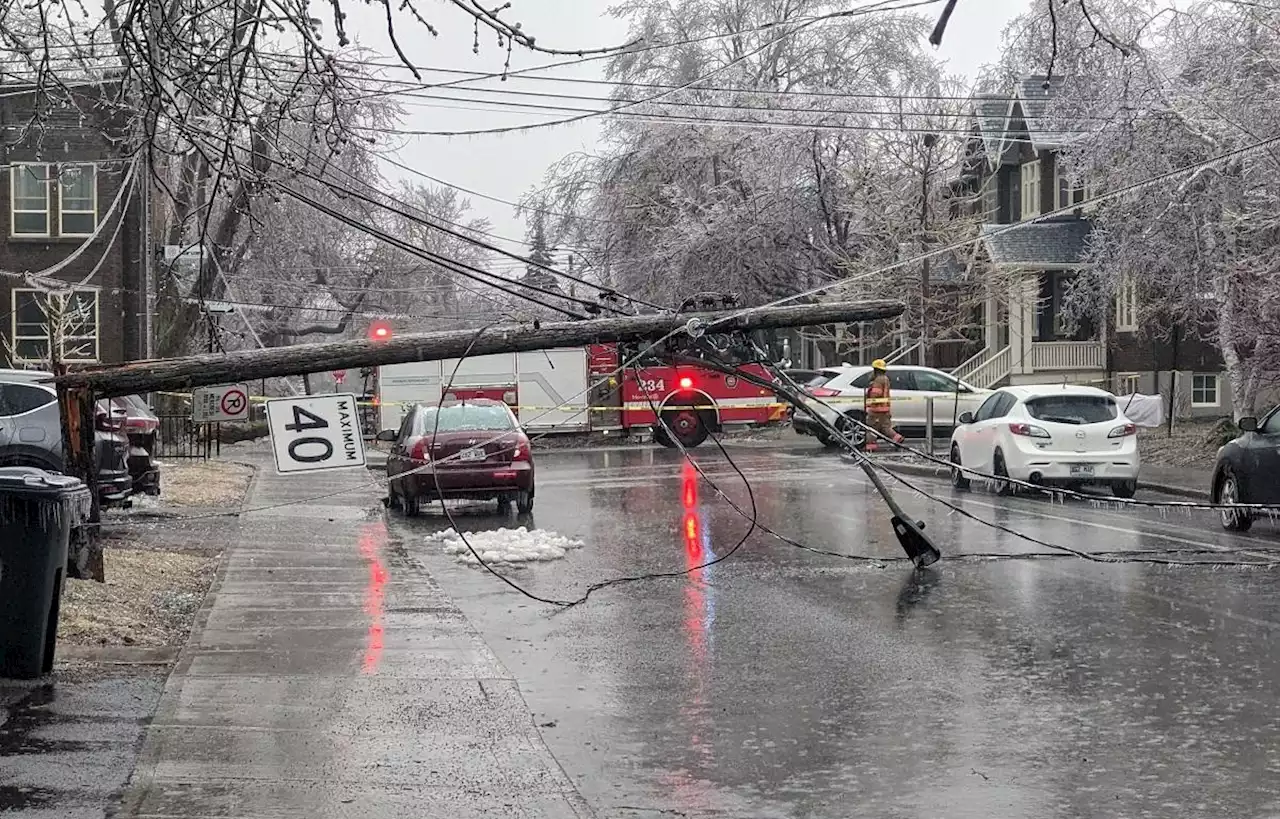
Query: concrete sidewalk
{"points": [[328, 676]]}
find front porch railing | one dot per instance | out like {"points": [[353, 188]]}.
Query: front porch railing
{"points": [[1067, 355]]}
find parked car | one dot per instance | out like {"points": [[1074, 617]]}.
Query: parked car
{"points": [[1053, 435], [802, 377], [842, 391], [463, 449], [31, 435], [1246, 469], [143, 430], [129, 416]]}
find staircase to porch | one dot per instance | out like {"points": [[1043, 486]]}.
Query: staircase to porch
{"points": [[988, 369]]}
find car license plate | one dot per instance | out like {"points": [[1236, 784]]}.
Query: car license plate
{"points": [[471, 455], [1081, 470]]}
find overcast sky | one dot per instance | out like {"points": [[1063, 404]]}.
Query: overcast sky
{"points": [[506, 166]]}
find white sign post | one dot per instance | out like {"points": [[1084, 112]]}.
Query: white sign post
{"points": [[214, 404], [315, 432]]}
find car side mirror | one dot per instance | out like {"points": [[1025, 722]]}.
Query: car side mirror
{"points": [[387, 435], [965, 418], [1248, 424]]}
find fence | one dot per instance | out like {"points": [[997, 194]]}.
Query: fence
{"points": [[180, 438]]}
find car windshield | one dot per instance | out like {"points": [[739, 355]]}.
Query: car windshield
{"points": [[464, 417], [821, 378], [1073, 409]]}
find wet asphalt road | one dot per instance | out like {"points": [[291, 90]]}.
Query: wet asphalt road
{"points": [[782, 682]]}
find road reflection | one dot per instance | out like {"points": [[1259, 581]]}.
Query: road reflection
{"points": [[372, 541], [692, 792]]}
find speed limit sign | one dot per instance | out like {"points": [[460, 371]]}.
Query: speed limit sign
{"points": [[315, 432]]}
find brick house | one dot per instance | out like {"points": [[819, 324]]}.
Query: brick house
{"points": [[62, 183], [1013, 173]]}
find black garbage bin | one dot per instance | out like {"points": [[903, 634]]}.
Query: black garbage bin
{"points": [[38, 511]]}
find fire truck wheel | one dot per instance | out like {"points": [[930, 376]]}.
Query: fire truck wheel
{"points": [[686, 424]]}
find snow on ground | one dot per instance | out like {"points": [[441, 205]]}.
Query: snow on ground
{"points": [[505, 546]]}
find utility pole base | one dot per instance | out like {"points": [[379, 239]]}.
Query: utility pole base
{"points": [[915, 542]]}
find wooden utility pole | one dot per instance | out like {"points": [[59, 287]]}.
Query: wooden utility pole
{"points": [[77, 407], [77, 391], [244, 365], [929, 141]]}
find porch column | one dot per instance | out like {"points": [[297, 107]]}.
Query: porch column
{"points": [[1022, 317], [991, 321]]}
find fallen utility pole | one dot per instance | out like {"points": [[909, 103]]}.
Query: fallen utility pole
{"points": [[250, 365], [910, 532], [78, 391]]}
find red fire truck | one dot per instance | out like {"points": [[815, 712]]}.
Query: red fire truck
{"points": [[577, 390], [692, 401]]}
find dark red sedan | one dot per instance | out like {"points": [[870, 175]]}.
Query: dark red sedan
{"points": [[471, 449]]}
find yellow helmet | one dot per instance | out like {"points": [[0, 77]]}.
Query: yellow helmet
{"points": [[879, 364]]}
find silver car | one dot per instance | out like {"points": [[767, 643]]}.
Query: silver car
{"points": [[31, 435]]}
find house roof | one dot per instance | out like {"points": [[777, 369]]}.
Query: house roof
{"points": [[991, 111], [1044, 127], [1051, 243]]}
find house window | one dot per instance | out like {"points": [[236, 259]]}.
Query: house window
{"points": [[29, 199], [39, 318], [1069, 193], [1127, 307], [1204, 390], [1031, 189], [77, 199]]}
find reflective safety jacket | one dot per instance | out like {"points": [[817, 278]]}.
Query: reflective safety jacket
{"points": [[878, 394]]}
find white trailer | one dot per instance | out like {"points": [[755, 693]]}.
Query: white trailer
{"points": [[546, 388]]}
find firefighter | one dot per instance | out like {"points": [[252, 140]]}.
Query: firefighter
{"points": [[879, 407]]}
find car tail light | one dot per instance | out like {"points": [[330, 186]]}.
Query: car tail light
{"points": [[418, 451], [509, 397], [108, 421], [686, 383], [1029, 430], [522, 451], [1122, 431], [823, 392], [144, 426]]}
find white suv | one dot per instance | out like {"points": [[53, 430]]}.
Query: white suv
{"points": [[842, 391]]}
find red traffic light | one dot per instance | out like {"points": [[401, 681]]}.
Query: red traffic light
{"points": [[380, 331]]}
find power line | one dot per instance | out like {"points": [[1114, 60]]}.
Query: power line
{"points": [[342, 191], [1064, 211], [883, 6], [449, 264]]}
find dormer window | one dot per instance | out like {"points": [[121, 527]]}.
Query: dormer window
{"points": [[1030, 189]]}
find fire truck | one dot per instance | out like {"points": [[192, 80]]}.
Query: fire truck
{"points": [[578, 389]]}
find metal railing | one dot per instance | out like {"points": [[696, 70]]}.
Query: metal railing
{"points": [[1068, 355], [181, 438]]}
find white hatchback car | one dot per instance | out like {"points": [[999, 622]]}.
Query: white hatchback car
{"points": [[1054, 435], [842, 391]]}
